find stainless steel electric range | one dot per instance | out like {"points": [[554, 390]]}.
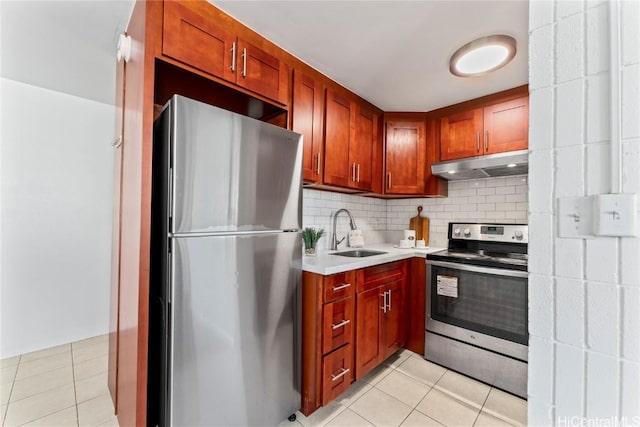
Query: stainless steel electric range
{"points": [[476, 314]]}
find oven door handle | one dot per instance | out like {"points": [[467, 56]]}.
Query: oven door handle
{"points": [[478, 269]]}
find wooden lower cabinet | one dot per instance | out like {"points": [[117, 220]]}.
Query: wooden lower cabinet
{"points": [[351, 322], [380, 324]]}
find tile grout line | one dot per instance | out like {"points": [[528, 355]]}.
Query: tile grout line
{"points": [[482, 406], [13, 381], [75, 394]]}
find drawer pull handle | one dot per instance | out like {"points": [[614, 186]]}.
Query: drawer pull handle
{"points": [[384, 301], [342, 373], [233, 56], [389, 301], [341, 287], [340, 325]]}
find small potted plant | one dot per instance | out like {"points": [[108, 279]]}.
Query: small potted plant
{"points": [[310, 237]]}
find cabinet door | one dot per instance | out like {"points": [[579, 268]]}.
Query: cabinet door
{"points": [[461, 135], [338, 125], [192, 37], [368, 330], [260, 72], [405, 154], [337, 373], [393, 326], [361, 147], [506, 126], [306, 119]]}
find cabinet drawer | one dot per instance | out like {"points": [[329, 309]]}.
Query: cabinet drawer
{"points": [[337, 324], [338, 286], [337, 373], [372, 277]]}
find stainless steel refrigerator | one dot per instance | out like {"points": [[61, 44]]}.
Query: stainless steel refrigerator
{"points": [[225, 269]]}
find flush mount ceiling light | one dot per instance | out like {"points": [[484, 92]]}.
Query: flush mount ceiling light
{"points": [[483, 56]]}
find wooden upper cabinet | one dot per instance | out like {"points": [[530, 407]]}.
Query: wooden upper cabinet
{"points": [[351, 132], [405, 157], [361, 147], [191, 34], [495, 128], [306, 118], [460, 135], [338, 130], [506, 126]]}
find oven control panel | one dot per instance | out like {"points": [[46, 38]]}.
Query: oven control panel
{"points": [[512, 233]]}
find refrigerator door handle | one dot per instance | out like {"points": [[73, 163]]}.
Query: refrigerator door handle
{"points": [[230, 233]]}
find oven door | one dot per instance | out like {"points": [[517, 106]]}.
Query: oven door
{"points": [[482, 306]]}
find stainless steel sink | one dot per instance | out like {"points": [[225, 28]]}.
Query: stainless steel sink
{"points": [[359, 253]]}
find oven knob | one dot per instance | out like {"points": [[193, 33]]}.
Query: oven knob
{"points": [[456, 231], [467, 232], [518, 235]]}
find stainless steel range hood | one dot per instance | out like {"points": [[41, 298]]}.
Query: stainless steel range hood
{"points": [[501, 164]]}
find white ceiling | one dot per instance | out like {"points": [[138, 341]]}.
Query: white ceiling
{"points": [[66, 46], [393, 53]]}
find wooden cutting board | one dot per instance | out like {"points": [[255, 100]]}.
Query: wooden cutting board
{"points": [[421, 226]]}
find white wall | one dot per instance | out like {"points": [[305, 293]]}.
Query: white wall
{"points": [[55, 219], [584, 295]]}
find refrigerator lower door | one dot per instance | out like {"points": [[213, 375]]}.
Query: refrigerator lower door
{"points": [[233, 330]]}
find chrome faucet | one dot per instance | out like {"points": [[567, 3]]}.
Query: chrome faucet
{"points": [[352, 224]]}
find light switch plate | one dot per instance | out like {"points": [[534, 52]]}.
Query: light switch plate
{"points": [[615, 215], [575, 217]]}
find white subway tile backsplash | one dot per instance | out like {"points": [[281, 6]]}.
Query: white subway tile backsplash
{"points": [[597, 30], [569, 312], [629, 265], [602, 374], [541, 54], [569, 381], [598, 108], [630, 321], [569, 60], [486, 191], [602, 259], [569, 113], [602, 317]]}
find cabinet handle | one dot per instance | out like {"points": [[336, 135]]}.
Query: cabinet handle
{"points": [[318, 165], [233, 56], [341, 287], [342, 373], [244, 62], [117, 142], [384, 302], [353, 172], [389, 303], [340, 325], [486, 141], [358, 176], [389, 180], [478, 141]]}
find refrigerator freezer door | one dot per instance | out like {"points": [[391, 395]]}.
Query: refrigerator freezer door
{"points": [[233, 341], [231, 172]]}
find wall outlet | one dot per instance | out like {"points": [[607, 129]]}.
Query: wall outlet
{"points": [[615, 215]]}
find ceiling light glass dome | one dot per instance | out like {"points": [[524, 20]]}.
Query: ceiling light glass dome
{"points": [[483, 56]]}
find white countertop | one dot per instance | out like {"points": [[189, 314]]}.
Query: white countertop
{"points": [[325, 263]]}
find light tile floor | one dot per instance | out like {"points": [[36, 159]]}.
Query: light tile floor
{"points": [[67, 386], [407, 390], [59, 386]]}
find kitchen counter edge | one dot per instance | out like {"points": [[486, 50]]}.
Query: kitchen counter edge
{"points": [[326, 263]]}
